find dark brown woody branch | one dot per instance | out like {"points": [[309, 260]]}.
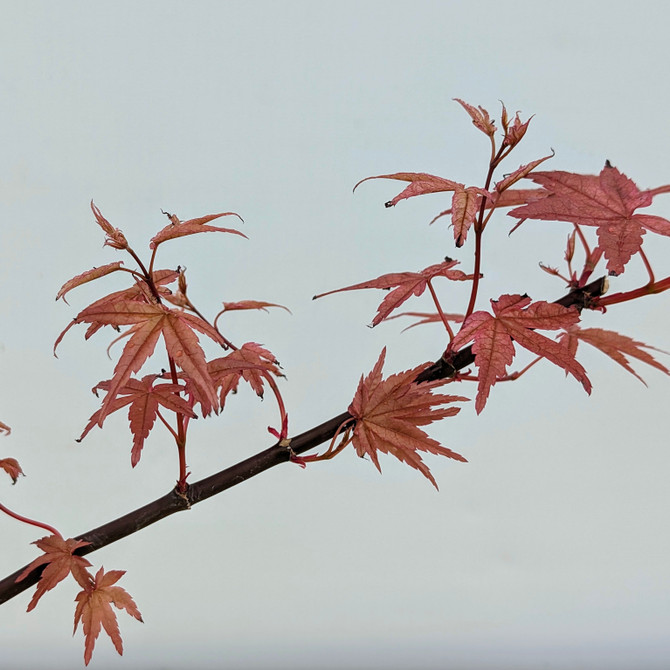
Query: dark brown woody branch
{"points": [[254, 465]]}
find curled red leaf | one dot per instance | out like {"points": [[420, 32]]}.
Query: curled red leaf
{"points": [[614, 345], [420, 184], [178, 228], [480, 117], [88, 276], [12, 468], [404, 285]]}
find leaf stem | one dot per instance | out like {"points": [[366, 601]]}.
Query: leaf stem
{"points": [[439, 310], [181, 434], [32, 522], [647, 265], [647, 289], [479, 229], [659, 189], [283, 415], [167, 425], [147, 275]]}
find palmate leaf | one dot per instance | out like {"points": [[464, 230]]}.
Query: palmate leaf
{"points": [[618, 347], [250, 362], [607, 201], [404, 285], [60, 560], [144, 398], [515, 318], [148, 322], [388, 414], [94, 609], [137, 293]]}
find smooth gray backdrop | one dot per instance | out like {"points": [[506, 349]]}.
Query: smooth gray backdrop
{"points": [[549, 549]]}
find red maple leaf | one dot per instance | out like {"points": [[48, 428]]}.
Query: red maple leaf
{"points": [[480, 117], [516, 319], [250, 304], [510, 197], [58, 555], [420, 183], [404, 285], [145, 398], [388, 414], [427, 317], [114, 237], [140, 292], [465, 204], [11, 467], [250, 362], [94, 609], [88, 276], [614, 345], [607, 201], [177, 228], [148, 321]]}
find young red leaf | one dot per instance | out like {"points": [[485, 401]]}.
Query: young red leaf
{"points": [[427, 317], [607, 201], [140, 345], [514, 133], [145, 398], [250, 362], [4, 428], [11, 467], [518, 174], [250, 304], [388, 414], [404, 285], [614, 345], [516, 319], [182, 344], [178, 228], [506, 198], [58, 555], [465, 204], [88, 276], [420, 184], [103, 312], [480, 117], [148, 322], [94, 609], [114, 237]]}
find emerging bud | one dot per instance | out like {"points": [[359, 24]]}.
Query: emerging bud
{"points": [[515, 132], [114, 237]]}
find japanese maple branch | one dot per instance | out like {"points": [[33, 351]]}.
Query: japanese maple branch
{"points": [[281, 452]]}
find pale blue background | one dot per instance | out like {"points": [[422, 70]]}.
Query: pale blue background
{"points": [[549, 549]]}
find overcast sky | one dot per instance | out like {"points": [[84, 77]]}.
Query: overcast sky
{"points": [[549, 548]]}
